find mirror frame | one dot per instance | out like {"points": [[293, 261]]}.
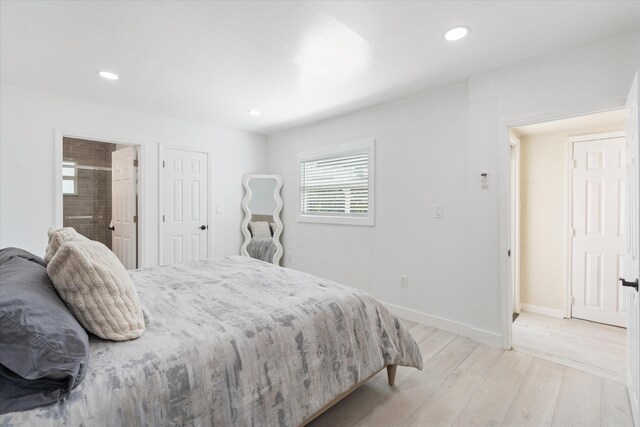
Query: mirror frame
{"points": [[276, 215]]}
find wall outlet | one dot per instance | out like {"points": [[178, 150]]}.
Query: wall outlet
{"points": [[404, 281], [438, 212]]}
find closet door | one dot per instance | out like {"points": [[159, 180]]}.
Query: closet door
{"points": [[185, 201], [599, 243]]}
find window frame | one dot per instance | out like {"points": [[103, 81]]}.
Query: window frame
{"points": [[364, 146], [74, 178]]}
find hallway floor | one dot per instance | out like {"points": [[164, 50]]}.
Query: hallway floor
{"points": [[580, 344]]}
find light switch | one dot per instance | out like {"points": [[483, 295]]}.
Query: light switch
{"points": [[439, 212], [218, 209]]}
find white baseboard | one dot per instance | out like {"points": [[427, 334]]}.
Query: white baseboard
{"points": [[485, 337], [551, 312]]}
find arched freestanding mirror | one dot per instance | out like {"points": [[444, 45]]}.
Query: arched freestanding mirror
{"points": [[262, 226]]}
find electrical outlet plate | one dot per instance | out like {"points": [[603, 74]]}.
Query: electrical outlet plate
{"points": [[404, 281]]}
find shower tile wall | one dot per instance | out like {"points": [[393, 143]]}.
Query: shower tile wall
{"points": [[93, 188]]}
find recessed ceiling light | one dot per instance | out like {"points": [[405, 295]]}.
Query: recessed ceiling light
{"points": [[107, 75], [456, 33], [253, 112]]}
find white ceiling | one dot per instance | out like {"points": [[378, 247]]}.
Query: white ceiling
{"points": [[297, 62]]}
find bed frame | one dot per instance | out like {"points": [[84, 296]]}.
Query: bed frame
{"points": [[391, 376]]}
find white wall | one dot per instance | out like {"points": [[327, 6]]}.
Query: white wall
{"points": [[592, 78], [543, 204], [27, 123], [431, 150], [420, 144]]}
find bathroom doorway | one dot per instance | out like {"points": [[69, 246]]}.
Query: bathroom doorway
{"points": [[100, 194]]}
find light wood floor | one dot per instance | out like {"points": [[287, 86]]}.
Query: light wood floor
{"points": [[464, 383], [589, 346]]}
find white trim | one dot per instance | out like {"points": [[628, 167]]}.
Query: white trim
{"points": [[59, 135], [551, 312], [568, 234], [276, 215], [162, 146], [479, 335], [504, 137], [514, 144], [597, 136], [367, 145]]}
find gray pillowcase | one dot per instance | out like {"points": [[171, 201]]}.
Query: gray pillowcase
{"points": [[43, 349]]}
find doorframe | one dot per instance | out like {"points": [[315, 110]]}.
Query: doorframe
{"points": [[59, 135], [161, 147], [568, 231], [504, 143], [514, 224]]}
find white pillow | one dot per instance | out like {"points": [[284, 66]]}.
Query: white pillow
{"points": [[97, 289], [260, 229], [57, 236]]}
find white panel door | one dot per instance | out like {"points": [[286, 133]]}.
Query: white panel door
{"points": [[631, 263], [185, 206], [599, 244], [123, 206]]}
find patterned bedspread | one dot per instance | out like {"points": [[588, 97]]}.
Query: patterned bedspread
{"points": [[262, 248], [232, 341]]}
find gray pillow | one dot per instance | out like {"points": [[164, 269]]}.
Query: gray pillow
{"points": [[43, 349]]}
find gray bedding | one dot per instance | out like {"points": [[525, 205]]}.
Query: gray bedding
{"points": [[35, 322], [262, 248], [232, 341]]}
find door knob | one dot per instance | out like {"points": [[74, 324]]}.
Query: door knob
{"points": [[630, 284], [112, 228], [203, 227]]}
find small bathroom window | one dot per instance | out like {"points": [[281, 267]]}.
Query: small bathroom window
{"points": [[69, 185]]}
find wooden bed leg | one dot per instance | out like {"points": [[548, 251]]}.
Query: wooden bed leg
{"points": [[391, 373]]}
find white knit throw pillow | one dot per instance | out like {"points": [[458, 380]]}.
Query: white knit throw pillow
{"points": [[57, 236], [97, 289], [260, 229]]}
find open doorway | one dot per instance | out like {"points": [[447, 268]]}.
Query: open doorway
{"points": [[99, 194], [568, 241]]}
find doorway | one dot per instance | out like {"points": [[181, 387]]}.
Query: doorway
{"points": [[567, 241], [99, 194]]}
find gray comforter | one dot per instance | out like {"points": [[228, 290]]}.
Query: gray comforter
{"points": [[262, 248], [232, 341]]}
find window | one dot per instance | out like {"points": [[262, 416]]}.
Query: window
{"points": [[336, 184], [69, 178]]}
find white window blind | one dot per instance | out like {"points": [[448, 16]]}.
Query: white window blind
{"points": [[337, 185]]}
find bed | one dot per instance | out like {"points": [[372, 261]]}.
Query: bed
{"points": [[233, 341]]}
